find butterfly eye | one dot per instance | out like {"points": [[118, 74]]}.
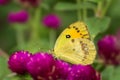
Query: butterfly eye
{"points": [[68, 36]]}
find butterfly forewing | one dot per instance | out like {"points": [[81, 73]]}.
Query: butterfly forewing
{"points": [[78, 30]]}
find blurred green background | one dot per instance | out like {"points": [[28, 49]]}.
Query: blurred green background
{"points": [[104, 14]]}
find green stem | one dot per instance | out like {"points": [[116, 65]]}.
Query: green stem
{"points": [[52, 37], [20, 36], [35, 22], [98, 12], [84, 12], [106, 8], [79, 13]]}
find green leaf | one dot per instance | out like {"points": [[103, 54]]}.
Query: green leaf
{"points": [[114, 9], [4, 71], [111, 73], [116, 74], [97, 25], [63, 6], [107, 73], [45, 6], [36, 46]]}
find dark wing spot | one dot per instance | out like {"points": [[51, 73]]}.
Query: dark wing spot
{"points": [[85, 57], [82, 37], [85, 34], [81, 42], [85, 48], [73, 49], [78, 31], [86, 52], [73, 40], [68, 36], [88, 38], [74, 27]]}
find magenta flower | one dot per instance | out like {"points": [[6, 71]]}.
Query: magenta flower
{"points": [[3, 2], [18, 17], [18, 61], [62, 69], [80, 72], [51, 21], [41, 66], [108, 50]]}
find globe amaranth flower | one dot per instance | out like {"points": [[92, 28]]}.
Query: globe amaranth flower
{"points": [[42, 66], [18, 61], [108, 50], [3, 2], [51, 21], [21, 16], [80, 72], [62, 69], [29, 3]]}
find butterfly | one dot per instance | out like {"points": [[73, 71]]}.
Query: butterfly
{"points": [[74, 45]]}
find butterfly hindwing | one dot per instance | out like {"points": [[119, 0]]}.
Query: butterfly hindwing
{"points": [[77, 51]]}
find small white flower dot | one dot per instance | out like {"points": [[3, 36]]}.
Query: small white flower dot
{"points": [[14, 57], [31, 59], [28, 55], [21, 58], [24, 52]]}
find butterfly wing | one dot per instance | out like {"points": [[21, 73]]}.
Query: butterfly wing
{"points": [[75, 30], [77, 51], [69, 48]]}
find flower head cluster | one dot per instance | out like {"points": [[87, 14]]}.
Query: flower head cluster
{"points": [[43, 66], [80, 72], [62, 69], [108, 49], [51, 21], [18, 60], [18, 17]]}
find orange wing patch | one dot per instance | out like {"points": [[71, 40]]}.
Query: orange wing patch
{"points": [[78, 30]]}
